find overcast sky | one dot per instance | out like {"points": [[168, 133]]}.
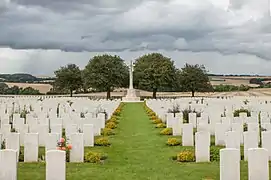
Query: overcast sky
{"points": [[227, 36]]}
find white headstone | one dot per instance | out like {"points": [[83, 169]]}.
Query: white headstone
{"points": [[192, 117], [56, 128], [31, 147], [238, 127], [266, 137], [202, 146], [77, 151], [250, 141], [229, 164], [55, 165], [51, 141], [187, 136], [258, 167], [8, 164], [43, 130], [13, 142], [232, 140], [88, 130]]}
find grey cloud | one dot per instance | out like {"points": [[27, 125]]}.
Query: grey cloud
{"points": [[117, 25]]}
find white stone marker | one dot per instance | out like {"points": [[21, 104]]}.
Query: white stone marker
{"points": [[232, 140], [55, 165], [220, 131], [77, 151], [204, 127], [51, 141], [250, 141], [266, 137], [8, 164], [192, 118], [202, 146], [187, 136], [253, 127], [5, 130], [31, 147], [177, 128], [229, 164], [13, 142], [170, 122], [88, 130], [70, 129], [56, 128], [23, 130], [238, 127], [43, 130], [258, 167]]}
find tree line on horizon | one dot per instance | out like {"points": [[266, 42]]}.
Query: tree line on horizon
{"points": [[152, 72]]}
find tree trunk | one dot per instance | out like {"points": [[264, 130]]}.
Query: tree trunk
{"points": [[154, 93], [108, 95], [71, 92], [193, 93]]}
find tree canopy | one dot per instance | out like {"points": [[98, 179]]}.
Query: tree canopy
{"points": [[15, 90], [68, 78], [106, 72], [155, 72], [194, 78]]}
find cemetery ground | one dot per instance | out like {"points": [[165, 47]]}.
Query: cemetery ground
{"points": [[137, 152]]}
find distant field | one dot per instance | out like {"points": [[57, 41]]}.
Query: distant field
{"points": [[43, 88], [234, 80]]}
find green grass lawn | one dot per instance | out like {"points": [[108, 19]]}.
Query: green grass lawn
{"points": [[137, 152]]}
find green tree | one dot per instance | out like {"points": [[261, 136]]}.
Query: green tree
{"points": [[106, 72], [155, 72], [29, 91], [3, 88], [13, 90], [194, 78], [68, 78]]}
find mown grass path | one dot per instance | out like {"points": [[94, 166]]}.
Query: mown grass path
{"points": [[138, 152]]}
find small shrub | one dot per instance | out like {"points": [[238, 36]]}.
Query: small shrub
{"points": [[238, 111], [214, 153], [117, 112], [173, 142], [3, 144], [150, 113], [174, 158], [94, 157], [24, 113], [186, 156], [161, 125], [102, 141], [21, 156], [245, 127], [186, 114], [13, 130], [166, 131], [154, 117], [175, 109], [157, 121], [111, 125], [107, 132], [113, 120]]}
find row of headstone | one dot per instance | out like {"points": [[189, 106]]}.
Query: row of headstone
{"points": [[55, 164], [258, 166], [31, 144], [232, 140], [88, 130]]}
